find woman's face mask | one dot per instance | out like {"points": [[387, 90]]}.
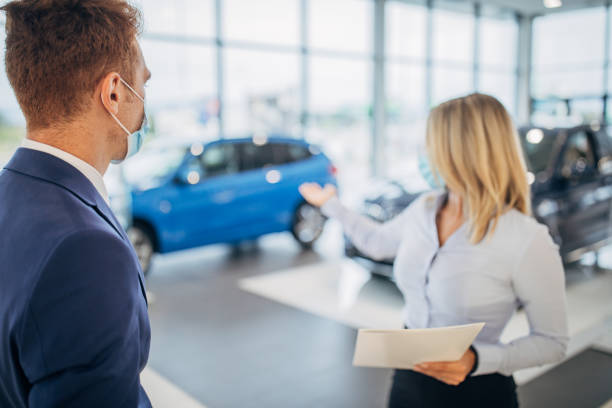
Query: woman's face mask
{"points": [[136, 138], [434, 180]]}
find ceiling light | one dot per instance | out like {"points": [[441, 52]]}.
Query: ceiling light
{"points": [[553, 3]]}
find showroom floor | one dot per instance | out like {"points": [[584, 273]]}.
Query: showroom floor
{"points": [[272, 326]]}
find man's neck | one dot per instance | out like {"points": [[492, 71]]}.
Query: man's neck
{"points": [[76, 141]]}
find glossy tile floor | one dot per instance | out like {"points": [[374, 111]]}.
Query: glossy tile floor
{"points": [[272, 326]]}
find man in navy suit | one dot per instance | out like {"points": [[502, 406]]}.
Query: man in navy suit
{"points": [[74, 328]]}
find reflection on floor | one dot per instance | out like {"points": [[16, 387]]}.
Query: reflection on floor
{"points": [[272, 326]]}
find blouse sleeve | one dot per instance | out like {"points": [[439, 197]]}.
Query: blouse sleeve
{"points": [[539, 284], [376, 240]]}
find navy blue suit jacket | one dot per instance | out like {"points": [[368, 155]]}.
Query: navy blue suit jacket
{"points": [[74, 328]]}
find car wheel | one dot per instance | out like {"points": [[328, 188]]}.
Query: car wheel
{"points": [[142, 241], [308, 223]]}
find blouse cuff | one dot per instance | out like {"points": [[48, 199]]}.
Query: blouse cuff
{"points": [[490, 358], [475, 367], [332, 208]]}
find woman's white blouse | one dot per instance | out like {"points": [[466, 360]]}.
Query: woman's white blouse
{"points": [[460, 283]]}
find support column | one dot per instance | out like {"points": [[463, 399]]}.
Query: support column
{"points": [[378, 123], [523, 92]]}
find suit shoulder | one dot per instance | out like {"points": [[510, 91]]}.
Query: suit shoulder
{"points": [[90, 242], [48, 207], [91, 261]]}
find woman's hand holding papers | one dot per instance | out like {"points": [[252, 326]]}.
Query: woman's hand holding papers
{"points": [[452, 372]]}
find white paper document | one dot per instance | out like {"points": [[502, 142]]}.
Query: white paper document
{"points": [[405, 348]]}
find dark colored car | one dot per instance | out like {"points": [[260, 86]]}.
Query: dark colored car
{"points": [[224, 191], [570, 171]]}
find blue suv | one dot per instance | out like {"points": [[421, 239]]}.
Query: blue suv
{"points": [[186, 195]]}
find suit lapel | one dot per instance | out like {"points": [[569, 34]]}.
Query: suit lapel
{"points": [[54, 170]]}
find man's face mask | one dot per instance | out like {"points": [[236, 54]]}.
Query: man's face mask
{"points": [[135, 139]]}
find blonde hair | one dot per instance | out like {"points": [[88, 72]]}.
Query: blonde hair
{"points": [[473, 145]]}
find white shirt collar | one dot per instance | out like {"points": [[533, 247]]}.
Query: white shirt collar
{"points": [[88, 170]]}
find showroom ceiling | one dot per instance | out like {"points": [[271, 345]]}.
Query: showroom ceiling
{"points": [[531, 7]]}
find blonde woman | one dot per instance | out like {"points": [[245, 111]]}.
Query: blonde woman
{"points": [[468, 251]]}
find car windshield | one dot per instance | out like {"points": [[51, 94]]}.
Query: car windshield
{"points": [[538, 148], [153, 164]]}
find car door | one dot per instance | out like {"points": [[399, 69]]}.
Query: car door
{"points": [[584, 210], [291, 161], [270, 182], [206, 205]]}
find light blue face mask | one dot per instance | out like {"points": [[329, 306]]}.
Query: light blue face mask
{"points": [[434, 180], [136, 138]]}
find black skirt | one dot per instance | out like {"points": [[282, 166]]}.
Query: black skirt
{"points": [[412, 389]]}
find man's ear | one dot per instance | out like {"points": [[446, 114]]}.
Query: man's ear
{"points": [[111, 93]]}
